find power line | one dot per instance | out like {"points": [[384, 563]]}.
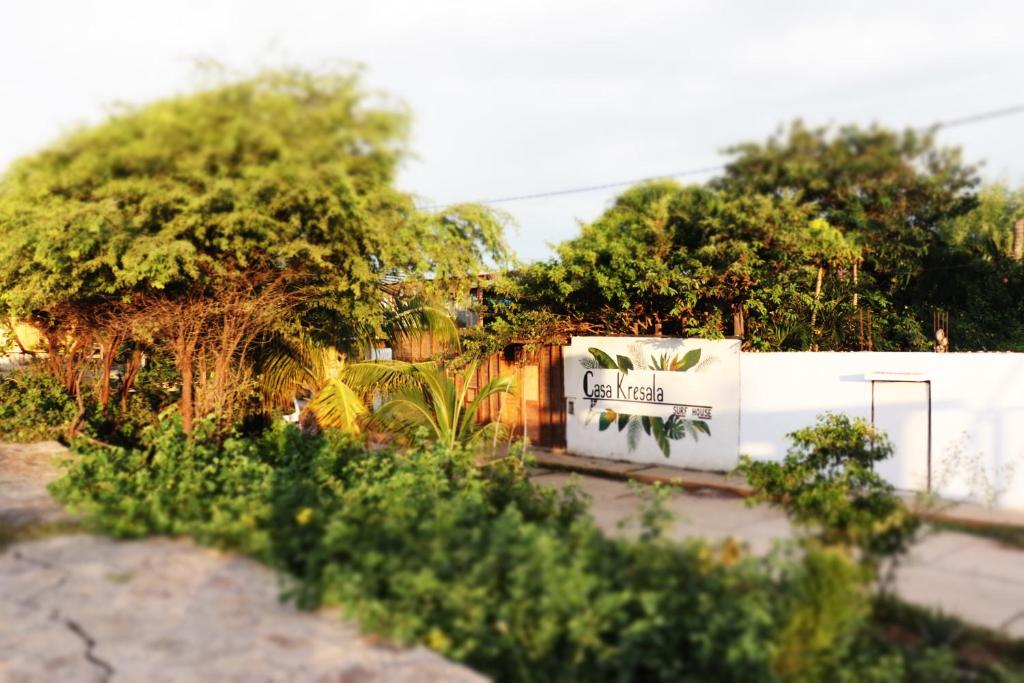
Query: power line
{"points": [[938, 125], [594, 188], [977, 118]]}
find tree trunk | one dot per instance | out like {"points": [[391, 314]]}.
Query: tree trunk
{"points": [[131, 371], [737, 321], [108, 351], [814, 311], [187, 406], [1018, 240], [856, 293]]}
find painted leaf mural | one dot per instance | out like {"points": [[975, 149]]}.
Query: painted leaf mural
{"points": [[660, 436], [662, 430], [676, 363], [605, 361], [690, 358], [624, 364]]}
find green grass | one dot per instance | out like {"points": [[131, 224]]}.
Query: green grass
{"points": [[980, 654], [1006, 535], [17, 533]]}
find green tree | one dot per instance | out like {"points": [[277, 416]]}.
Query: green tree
{"points": [[667, 259], [827, 484], [987, 230], [207, 221], [972, 274], [818, 238], [885, 190]]}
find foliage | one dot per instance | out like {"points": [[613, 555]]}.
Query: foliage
{"points": [[826, 609], [430, 400], [827, 482], [678, 260], [515, 322], [987, 230], [636, 268], [939, 647], [818, 238], [339, 390], [204, 223], [33, 406], [172, 484], [886, 191], [480, 564], [972, 274]]}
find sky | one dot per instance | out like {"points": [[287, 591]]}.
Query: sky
{"points": [[516, 97]]}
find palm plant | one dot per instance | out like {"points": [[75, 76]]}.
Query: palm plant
{"points": [[339, 389], [436, 402]]}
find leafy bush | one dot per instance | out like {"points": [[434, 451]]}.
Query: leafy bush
{"points": [[828, 484], [477, 562], [154, 390], [938, 647], [33, 406]]}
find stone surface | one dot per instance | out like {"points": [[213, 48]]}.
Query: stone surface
{"points": [[84, 608], [25, 470]]}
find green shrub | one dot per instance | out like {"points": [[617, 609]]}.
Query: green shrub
{"points": [[938, 647], [122, 422], [827, 484], [33, 406], [515, 580], [483, 566]]}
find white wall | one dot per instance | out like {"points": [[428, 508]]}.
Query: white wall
{"points": [[977, 412], [956, 419]]}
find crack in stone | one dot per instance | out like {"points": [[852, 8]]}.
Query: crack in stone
{"points": [[31, 598], [90, 646], [61, 581], [1006, 624], [18, 555]]}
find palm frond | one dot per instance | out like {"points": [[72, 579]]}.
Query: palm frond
{"points": [[337, 405], [380, 377], [287, 366], [503, 384], [488, 434], [411, 322]]}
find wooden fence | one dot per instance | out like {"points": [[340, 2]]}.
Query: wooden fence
{"points": [[537, 409]]}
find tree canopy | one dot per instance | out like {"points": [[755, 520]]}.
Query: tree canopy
{"points": [[817, 238], [285, 172], [887, 191], [254, 207]]}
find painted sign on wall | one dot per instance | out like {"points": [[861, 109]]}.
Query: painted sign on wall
{"points": [[654, 400]]}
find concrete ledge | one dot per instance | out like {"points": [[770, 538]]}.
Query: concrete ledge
{"points": [[648, 474], [969, 514]]}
